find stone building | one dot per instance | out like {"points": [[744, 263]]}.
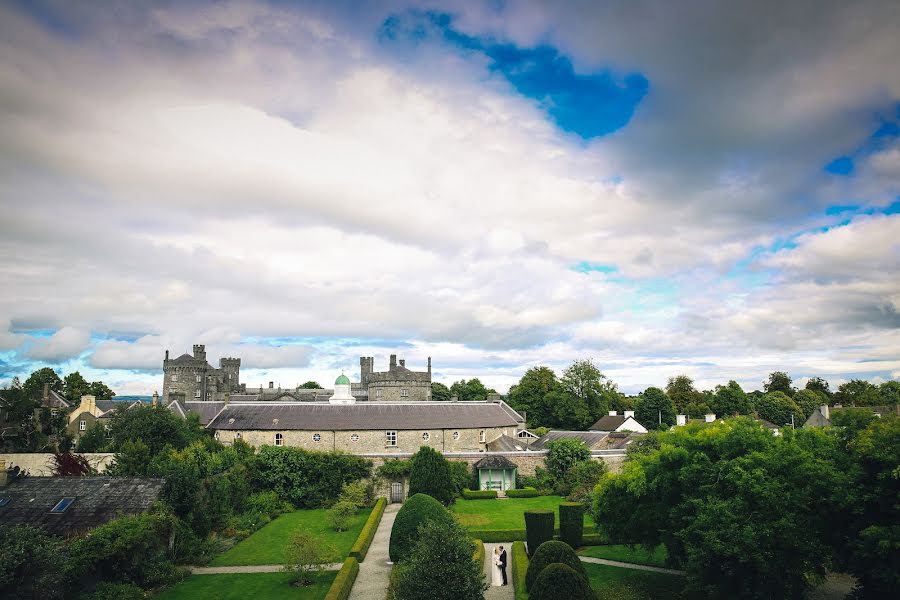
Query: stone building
{"points": [[190, 377]]}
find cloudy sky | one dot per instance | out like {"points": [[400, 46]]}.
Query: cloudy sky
{"points": [[709, 188]]}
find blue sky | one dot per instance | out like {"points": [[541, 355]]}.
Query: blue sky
{"points": [[698, 189]]}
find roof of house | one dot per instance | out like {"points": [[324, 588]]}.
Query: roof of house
{"points": [[58, 401], [617, 440], [205, 409], [495, 462], [96, 501], [590, 438], [609, 423], [368, 415], [505, 443]]}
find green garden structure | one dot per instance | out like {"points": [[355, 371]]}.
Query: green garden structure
{"points": [[496, 473]]}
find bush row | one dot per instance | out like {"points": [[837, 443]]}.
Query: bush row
{"points": [[519, 569], [478, 555], [479, 494], [494, 536], [525, 492], [360, 547], [343, 582]]}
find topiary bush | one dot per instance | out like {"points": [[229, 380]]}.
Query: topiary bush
{"points": [[429, 474], [479, 494], [539, 525], [418, 509], [560, 581], [526, 492], [571, 523], [549, 553]]}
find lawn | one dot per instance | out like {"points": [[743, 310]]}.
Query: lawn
{"points": [[611, 582], [268, 546], [639, 554], [241, 586], [505, 514]]}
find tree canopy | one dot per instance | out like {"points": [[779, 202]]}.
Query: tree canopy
{"points": [[439, 392], [779, 381], [654, 409], [471, 390]]}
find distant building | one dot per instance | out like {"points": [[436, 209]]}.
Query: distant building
{"points": [[190, 377], [821, 417], [616, 422], [92, 410]]}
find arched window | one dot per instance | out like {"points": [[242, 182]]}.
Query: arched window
{"points": [[279, 439]]}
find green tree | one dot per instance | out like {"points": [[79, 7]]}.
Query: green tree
{"points": [[809, 401], [74, 387], [568, 411], [564, 454], [779, 381], [156, 426], [430, 474], [471, 391], [132, 460], [93, 439], [440, 566], [32, 562], [817, 384], [857, 392], [583, 380], [33, 388], [653, 409], [778, 408], [311, 385], [439, 392], [307, 555], [530, 394], [681, 391], [101, 391], [730, 400], [889, 393], [696, 410], [417, 510]]}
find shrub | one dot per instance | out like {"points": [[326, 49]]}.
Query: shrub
{"points": [[571, 523], [594, 539], [306, 555], [430, 474], [268, 503], [478, 555], [340, 514], [418, 509], [32, 563], [525, 492], [393, 469], [114, 591], [549, 553], [360, 547], [539, 525], [519, 559], [479, 494], [541, 481], [460, 476], [494, 536], [564, 454], [358, 493], [560, 581], [584, 477], [343, 582]]}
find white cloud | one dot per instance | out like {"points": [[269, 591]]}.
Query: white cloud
{"points": [[64, 344]]}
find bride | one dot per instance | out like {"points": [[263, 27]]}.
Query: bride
{"points": [[496, 576]]}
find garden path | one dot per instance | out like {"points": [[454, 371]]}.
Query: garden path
{"points": [[504, 592], [374, 571], [252, 569], [625, 565]]}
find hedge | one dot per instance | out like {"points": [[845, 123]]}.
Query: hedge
{"points": [[538, 527], [571, 523], [519, 569], [549, 553], [493, 536], [594, 539], [417, 509], [525, 492], [561, 581], [360, 547], [478, 555], [343, 583], [479, 494]]}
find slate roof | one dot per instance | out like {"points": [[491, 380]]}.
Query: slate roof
{"points": [[205, 409], [505, 443], [590, 438], [97, 500], [495, 462], [609, 423], [368, 415]]}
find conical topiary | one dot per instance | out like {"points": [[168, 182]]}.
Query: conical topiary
{"points": [[549, 553], [417, 509], [560, 581], [429, 474]]}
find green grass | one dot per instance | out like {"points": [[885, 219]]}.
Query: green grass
{"points": [[255, 586], [505, 514], [268, 546], [614, 582], [638, 555]]}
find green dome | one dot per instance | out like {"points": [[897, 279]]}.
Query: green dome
{"points": [[342, 380]]}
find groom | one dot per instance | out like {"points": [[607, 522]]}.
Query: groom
{"points": [[503, 563]]}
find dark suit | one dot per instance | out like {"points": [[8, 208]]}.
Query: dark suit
{"points": [[503, 565]]}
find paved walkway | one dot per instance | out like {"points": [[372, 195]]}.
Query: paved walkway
{"points": [[498, 592], [251, 569], [625, 565], [374, 571]]}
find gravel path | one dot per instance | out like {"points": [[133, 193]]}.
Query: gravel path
{"points": [[502, 592], [252, 569], [625, 565], [374, 571]]}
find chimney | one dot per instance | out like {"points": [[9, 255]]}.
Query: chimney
{"points": [[393, 364], [155, 399], [227, 398], [2, 472], [429, 365], [167, 355], [90, 404], [271, 385], [710, 417], [825, 412], [680, 420], [629, 414], [454, 398], [46, 396], [402, 362], [612, 413]]}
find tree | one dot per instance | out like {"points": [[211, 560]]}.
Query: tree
{"points": [[471, 391], [653, 409], [93, 439], [101, 391], [857, 392], [340, 514], [681, 391], [32, 562], [779, 381], [439, 392], [817, 384], [132, 460], [416, 511], [696, 410], [33, 387], [730, 400], [564, 454], [440, 566], [889, 392], [66, 464], [306, 555], [809, 401], [530, 394], [430, 474], [74, 387], [156, 426], [583, 380], [311, 385], [568, 411], [778, 408]]}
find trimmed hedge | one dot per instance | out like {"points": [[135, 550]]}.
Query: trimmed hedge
{"points": [[539, 524], [525, 492], [478, 555], [549, 553], [343, 582], [479, 494], [571, 523], [594, 539], [561, 581], [360, 547], [519, 569], [493, 536], [417, 509]]}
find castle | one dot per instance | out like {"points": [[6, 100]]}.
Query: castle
{"points": [[192, 378]]}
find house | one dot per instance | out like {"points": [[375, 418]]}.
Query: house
{"points": [[91, 410], [68, 506], [616, 422], [50, 399], [821, 417]]}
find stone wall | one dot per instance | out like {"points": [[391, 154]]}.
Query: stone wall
{"points": [[39, 465]]}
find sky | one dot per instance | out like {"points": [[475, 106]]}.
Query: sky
{"points": [[705, 188]]}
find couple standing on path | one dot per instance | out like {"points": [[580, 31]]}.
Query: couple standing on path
{"points": [[498, 573]]}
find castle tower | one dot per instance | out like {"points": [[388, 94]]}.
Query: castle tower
{"points": [[366, 368], [342, 391], [231, 372]]}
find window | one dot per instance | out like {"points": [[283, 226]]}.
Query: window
{"points": [[354, 438], [62, 505], [82, 425], [107, 431], [208, 395], [196, 393], [216, 435], [481, 436], [455, 435], [426, 436], [279, 439], [199, 379], [174, 377], [378, 393], [404, 392], [390, 438], [237, 435], [317, 437], [4, 502]]}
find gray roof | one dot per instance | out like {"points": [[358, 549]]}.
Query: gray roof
{"points": [[205, 409], [495, 461], [368, 415], [609, 423], [97, 500], [505, 443], [590, 438]]}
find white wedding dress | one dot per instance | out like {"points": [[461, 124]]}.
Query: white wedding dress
{"points": [[496, 575]]}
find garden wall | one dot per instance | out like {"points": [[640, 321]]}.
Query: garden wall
{"points": [[39, 464]]}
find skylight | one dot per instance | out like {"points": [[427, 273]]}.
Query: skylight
{"points": [[62, 505], [4, 502]]}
